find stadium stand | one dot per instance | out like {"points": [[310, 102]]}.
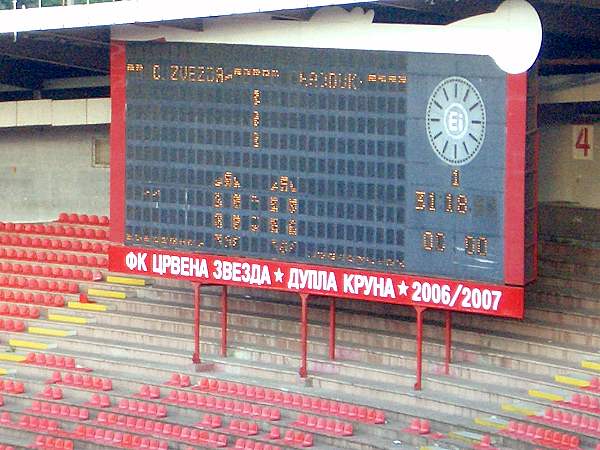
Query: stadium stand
{"points": [[121, 376]]}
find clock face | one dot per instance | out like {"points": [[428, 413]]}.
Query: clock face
{"points": [[455, 121]]}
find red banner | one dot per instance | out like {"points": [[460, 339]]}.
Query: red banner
{"points": [[439, 293]]}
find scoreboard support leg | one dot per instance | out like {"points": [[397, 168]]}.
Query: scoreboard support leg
{"points": [[304, 335], [420, 310], [196, 355], [224, 321], [448, 339], [332, 328]]}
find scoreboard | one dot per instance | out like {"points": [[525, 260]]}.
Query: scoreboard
{"points": [[379, 161]]}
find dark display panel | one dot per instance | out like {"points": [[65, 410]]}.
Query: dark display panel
{"points": [[387, 161]]}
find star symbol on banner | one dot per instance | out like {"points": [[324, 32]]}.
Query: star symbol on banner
{"points": [[278, 276], [403, 288]]}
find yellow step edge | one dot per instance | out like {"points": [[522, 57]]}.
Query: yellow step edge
{"points": [[553, 397], [56, 332], [466, 436], [106, 294], [590, 364], [4, 371], [70, 319], [87, 306], [126, 280], [34, 345], [491, 422], [12, 357], [571, 380], [524, 410]]}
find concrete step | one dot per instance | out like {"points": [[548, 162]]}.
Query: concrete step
{"points": [[355, 328], [580, 270], [128, 329], [103, 346], [565, 284], [124, 388], [17, 405], [584, 320], [365, 320], [562, 301], [77, 395], [570, 251], [463, 390]]}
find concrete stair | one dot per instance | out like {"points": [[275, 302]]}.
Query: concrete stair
{"points": [[140, 333]]}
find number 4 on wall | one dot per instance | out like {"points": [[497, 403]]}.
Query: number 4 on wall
{"points": [[583, 142]]}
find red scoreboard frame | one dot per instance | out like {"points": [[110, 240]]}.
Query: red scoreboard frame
{"points": [[463, 296]]}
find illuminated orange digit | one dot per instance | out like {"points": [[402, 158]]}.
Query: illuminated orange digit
{"points": [[419, 200], [461, 204]]}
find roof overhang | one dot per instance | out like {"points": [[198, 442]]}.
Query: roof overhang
{"points": [[141, 11]]}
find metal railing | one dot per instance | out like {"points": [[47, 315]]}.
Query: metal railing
{"points": [[12, 4]]}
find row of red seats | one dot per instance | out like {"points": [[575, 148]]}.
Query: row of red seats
{"points": [[19, 311], [238, 408], [44, 442], [12, 387], [79, 380], [59, 410], [166, 430], [542, 436], [242, 427], [53, 257], [51, 393], [38, 424], [291, 437], [50, 360], [55, 300], [584, 402], [148, 391], [142, 408], [13, 326], [117, 438], [297, 401], [178, 380], [298, 439], [55, 230], [6, 447], [247, 444], [34, 284], [485, 443], [326, 426], [418, 426], [50, 271], [573, 421], [83, 219], [594, 385], [210, 421], [52, 244], [98, 401]]}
